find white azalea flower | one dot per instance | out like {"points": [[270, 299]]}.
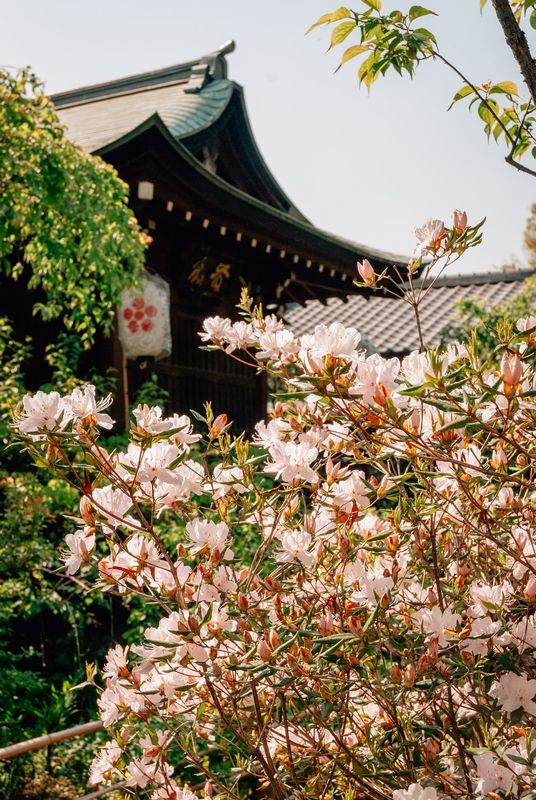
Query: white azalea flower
{"points": [[80, 544], [415, 792], [82, 405], [41, 410]]}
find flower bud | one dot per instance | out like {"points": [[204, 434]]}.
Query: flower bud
{"points": [[271, 584], [511, 369], [208, 789], [307, 655], [325, 624], [463, 569], [243, 603], [423, 664], [263, 651], [294, 664], [218, 425], [530, 589], [385, 484], [366, 271], [433, 649], [215, 556], [409, 676], [396, 673], [444, 671], [384, 601], [431, 749], [274, 639], [319, 549], [431, 597], [193, 624], [87, 512], [468, 658], [459, 221], [354, 626], [498, 458], [278, 408]]}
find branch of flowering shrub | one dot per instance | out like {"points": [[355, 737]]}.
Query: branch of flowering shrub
{"points": [[391, 41], [347, 601], [444, 245]]}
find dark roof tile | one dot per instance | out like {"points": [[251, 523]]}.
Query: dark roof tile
{"points": [[389, 323]]}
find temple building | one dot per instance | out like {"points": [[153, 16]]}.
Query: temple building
{"points": [[181, 138]]}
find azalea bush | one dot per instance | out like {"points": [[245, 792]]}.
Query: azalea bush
{"points": [[376, 637]]}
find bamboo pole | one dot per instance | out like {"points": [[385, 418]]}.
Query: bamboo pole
{"points": [[48, 739], [102, 792]]}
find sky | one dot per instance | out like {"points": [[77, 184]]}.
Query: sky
{"points": [[366, 167]]}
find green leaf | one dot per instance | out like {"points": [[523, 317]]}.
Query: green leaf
{"points": [[340, 33], [419, 11], [465, 91], [532, 19], [506, 87], [352, 52], [325, 19], [375, 4], [366, 73], [341, 13], [486, 114]]}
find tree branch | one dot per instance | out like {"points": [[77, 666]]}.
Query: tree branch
{"points": [[510, 160], [517, 42]]}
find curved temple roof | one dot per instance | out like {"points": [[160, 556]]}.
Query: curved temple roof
{"points": [[111, 117], [205, 113]]}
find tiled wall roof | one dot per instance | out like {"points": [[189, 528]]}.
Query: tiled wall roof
{"points": [[389, 323]]}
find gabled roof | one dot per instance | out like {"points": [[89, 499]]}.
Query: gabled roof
{"points": [[97, 122], [196, 102], [388, 324], [197, 107]]}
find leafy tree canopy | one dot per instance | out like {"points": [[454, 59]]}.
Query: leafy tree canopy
{"points": [[63, 214]]}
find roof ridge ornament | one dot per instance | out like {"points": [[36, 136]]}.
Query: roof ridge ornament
{"points": [[213, 65]]}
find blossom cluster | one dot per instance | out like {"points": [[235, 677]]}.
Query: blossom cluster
{"points": [[347, 602]]}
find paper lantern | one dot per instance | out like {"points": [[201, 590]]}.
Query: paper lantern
{"points": [[144, 322]]}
